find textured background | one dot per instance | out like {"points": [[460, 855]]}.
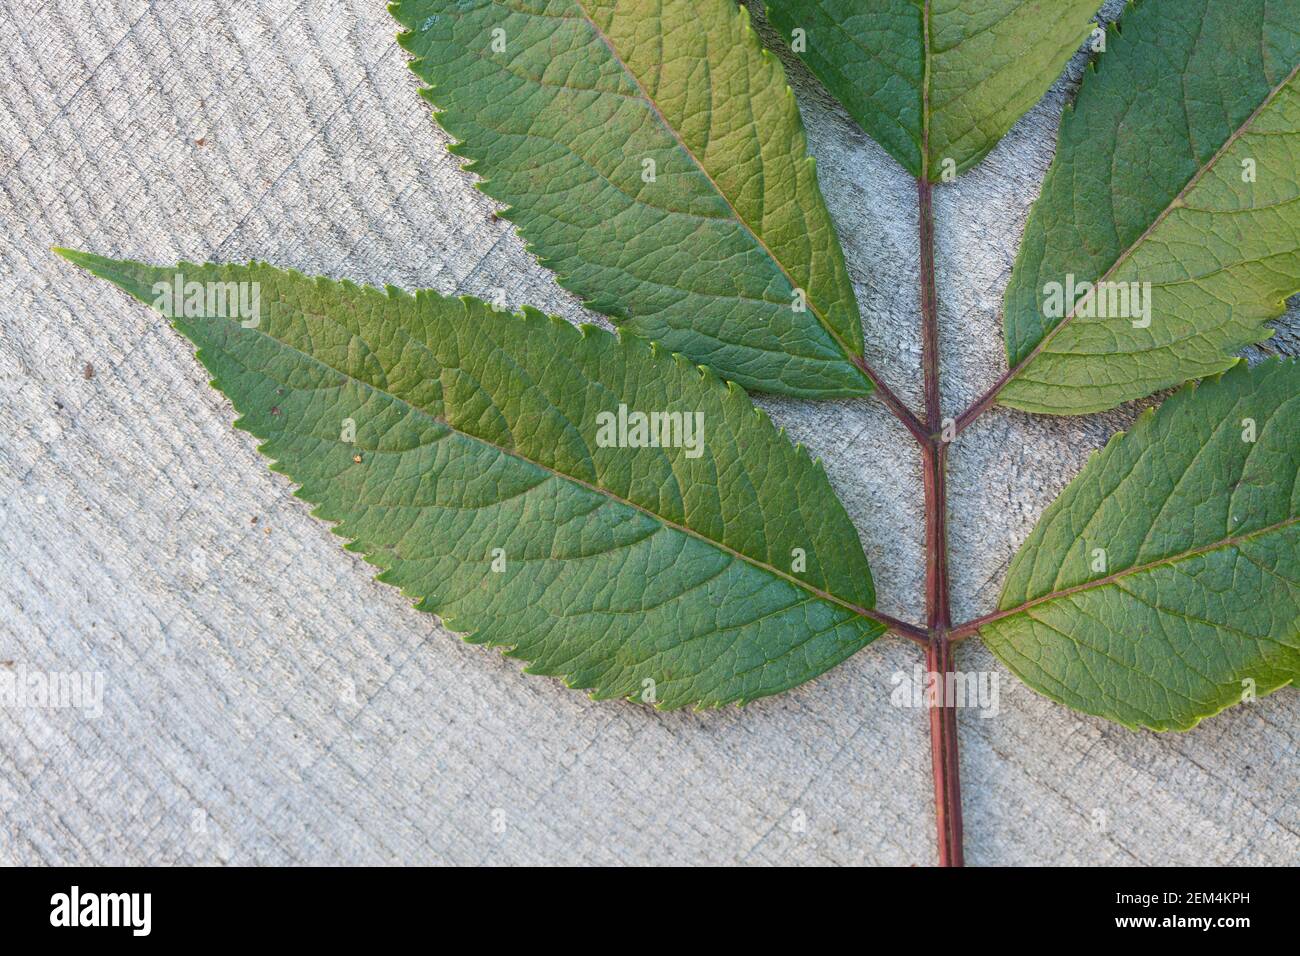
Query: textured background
{"points": [[266, 701]]}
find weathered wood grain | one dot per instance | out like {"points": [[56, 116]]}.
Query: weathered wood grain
{"points": [[266, 701]]}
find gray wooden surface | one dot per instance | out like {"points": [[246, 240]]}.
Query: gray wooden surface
{"points": [[266, 702]]}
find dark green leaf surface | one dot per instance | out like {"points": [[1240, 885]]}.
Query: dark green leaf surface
{"points": [[1200, 589], [953, 75], [561, 106], [479, 431], [1150, 185]]}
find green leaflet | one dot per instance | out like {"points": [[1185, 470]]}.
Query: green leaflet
{"points": [[1200, 589], [1151, 185], [653, 156], [981, 64], [477, 431]]}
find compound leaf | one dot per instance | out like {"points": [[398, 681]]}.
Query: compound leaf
{"points": [[936, 83], [1163, 585], [653, 156], [1174, 199], [461, 451]]}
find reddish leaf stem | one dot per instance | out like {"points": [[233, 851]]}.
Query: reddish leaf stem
{"points": [[934, 458], [893, 402], [943, 754], [913, 633]]}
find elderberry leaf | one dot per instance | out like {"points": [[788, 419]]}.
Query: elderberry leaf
{"points": [[494, 468], [1163, 585]]}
